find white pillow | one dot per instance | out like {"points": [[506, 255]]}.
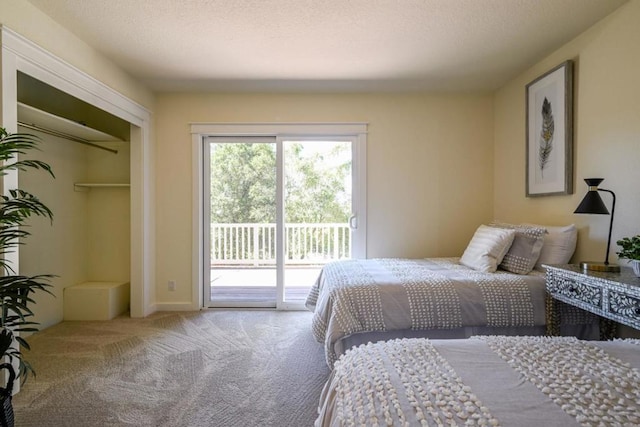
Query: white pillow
{"points": [[559, 244], [487, 248]]}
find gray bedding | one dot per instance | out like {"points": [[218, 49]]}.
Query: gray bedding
{"points": [[494, 380], [386, 295]]}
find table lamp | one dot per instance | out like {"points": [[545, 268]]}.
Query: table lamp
{"points": [[593, 204]]}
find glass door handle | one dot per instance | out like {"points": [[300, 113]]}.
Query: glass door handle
{"points": [[353, 222]]}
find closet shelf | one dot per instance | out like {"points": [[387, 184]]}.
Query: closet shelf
{"points": [[35, 119], [80, 186]]}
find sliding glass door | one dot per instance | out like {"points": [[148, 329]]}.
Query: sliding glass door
{"points": [[276, 210], [317, 208], [241, 196]]}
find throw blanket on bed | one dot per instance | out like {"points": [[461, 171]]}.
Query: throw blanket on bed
{"points": [[518, 381], [392, 294]]}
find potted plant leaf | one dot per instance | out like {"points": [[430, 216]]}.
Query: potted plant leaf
{"points": [[631, 251], [16, 291]]}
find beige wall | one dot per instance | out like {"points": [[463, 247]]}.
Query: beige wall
{"points": [[607, 134], [28, 21], [108, 214], [429, 165]]}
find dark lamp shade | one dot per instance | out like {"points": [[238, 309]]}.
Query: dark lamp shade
{"points": [[592, 204]]}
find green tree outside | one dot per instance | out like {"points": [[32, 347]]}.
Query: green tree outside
{"points": [[317, 183], [243, 183]]}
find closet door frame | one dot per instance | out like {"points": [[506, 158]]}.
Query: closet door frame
{"points": [[21, 55]]}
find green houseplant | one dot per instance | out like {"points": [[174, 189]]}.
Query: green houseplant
{"points": [[631, 251], [16, 207]]}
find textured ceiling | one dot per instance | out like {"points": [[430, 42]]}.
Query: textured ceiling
{"points": [[326, 45]]}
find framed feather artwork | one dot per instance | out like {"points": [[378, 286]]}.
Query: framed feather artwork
{"points": [[550, 133]]}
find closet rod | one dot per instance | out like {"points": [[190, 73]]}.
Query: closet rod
{"points": [[66, 136]]}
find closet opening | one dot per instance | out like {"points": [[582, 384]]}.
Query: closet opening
{"points": [[88, 244]]}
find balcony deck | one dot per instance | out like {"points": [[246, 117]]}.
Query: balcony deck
{"points": [[258, 284]]}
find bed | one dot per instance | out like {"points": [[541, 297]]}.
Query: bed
{"points": [[357, 301], [490, 380]]}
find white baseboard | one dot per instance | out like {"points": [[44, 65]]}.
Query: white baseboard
{"points": [[173, 306]]}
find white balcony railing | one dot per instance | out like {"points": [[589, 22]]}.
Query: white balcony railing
{"points": [[255, 244]]}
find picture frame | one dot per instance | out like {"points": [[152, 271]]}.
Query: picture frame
{"points": [[549, 133]]}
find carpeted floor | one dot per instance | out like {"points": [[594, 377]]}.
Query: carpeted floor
{"points": [[210, 368]]}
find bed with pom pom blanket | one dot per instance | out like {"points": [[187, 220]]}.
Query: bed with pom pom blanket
{"points": [[491, 381], [435, 298]]}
